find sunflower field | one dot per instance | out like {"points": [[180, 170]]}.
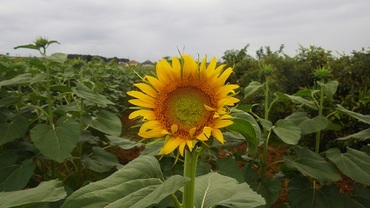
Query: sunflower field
{"points": [[263, 130]]}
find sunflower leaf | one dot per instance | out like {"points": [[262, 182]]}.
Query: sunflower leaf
{"points": [[354, 163], [215, 189], [14, 176], [252, 88], [105, 122], [138, 184], [58, 142], [311, 164], [287, 131], [247, 126], [47, 191], [302, 195]]}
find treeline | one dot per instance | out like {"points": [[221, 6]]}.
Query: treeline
{"points": [[91, 57]]}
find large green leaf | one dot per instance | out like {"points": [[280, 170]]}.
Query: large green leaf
{"points": [[358, 116], [297, 117], [145, 195], [15, 129], [287, 131], [302, 195], [268, 188], [354, 163], [10, 100], [58, 57], [228, 167], [247, 126], [315, 124], [105, 122], [252, 88], [58, 142], [23, 79], [266, 124], [14, 176], [311, 164], [123, 143], [90, 95], [329, 88], [296, 99], [360, 196], [49, 191], [100, 160], [137, 180], [216, 189], [362, 135]]}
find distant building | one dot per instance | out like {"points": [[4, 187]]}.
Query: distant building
{"points": [[132, 63], [147, 63]]}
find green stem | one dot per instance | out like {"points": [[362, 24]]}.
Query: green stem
{"points": [[175, 201], [318, 133], [50, 101], [190, 166], [266, 101], [264, 168]]}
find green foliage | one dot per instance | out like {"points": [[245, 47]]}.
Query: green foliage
{"points": [[61, 129], [56, 143], [215, 189], [297, 113], [311, 164], [139, 184], [353, 163], [47, 191]]}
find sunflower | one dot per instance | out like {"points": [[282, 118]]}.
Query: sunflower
{"points": [[185, 103]]}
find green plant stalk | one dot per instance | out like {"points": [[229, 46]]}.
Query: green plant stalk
{"points": [[190, 166], [266, 116], [318, 133], [266, 111], [264, 168], [50, 101], [175, 201]]}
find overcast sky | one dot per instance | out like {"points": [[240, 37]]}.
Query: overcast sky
{"points": [[151, 29]]}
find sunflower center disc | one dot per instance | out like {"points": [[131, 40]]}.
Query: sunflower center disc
{"points": [[185, 107]]}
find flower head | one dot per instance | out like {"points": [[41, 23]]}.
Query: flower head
{"points": [[185, 103]]}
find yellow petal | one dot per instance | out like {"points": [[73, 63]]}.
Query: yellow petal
{"points": [[147, 114], [190, 67], [151, 125], [147, 89], [155, 83], [176, 66], [209, 108], [216, 72], [192, 131], [141, 96], [216, 133], [204, 136], [203, 68], [227, 89], [163, 70], [181, 149], [191, 144], [212, 64], [171, 145], [174, 128], [141, 103], [223, 77], [151, 134], [228, 101], [222, 123]]}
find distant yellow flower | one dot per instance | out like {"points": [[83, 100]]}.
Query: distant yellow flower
{"points": [[186, 103]]}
